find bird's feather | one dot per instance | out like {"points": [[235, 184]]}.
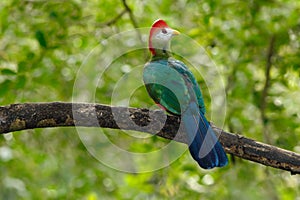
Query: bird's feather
{"points": [[173, 86], [203, 143]]}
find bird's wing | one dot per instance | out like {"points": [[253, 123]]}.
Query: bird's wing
{"points": [[167, 86], [203, 143], [182, 68]]}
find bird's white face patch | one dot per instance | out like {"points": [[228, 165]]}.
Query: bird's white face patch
{"points": [[162, 37]]}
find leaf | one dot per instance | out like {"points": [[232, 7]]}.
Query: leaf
{"points": [[4, 87], [22, 67], [39, 35], [8, 72], [21, 82]]}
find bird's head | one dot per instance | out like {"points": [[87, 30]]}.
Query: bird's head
{"points": [[160, 36]]}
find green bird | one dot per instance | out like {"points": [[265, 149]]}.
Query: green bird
{"points": [[174, 88]]}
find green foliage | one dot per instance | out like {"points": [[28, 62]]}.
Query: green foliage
{"points": [[44, 43]]}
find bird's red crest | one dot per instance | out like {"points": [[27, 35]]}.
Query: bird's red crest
{"points": [[156, 25]]}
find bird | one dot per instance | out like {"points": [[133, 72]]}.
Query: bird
{"points": [[174, 88]]}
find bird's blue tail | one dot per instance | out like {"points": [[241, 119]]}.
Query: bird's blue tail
{"points": [[203, 143]]}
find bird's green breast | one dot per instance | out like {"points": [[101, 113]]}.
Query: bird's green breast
{"points": [[170, 84], [166, 86]]}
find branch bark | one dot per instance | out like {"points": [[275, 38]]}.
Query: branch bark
{"points": [[18, 117]]}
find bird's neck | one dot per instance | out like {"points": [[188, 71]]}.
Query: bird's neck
{"points": [[161, 54]]}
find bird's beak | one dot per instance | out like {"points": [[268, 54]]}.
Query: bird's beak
{"points": [[175, 32]]}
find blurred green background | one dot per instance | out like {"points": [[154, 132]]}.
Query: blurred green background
{"points": [[44, 43]]}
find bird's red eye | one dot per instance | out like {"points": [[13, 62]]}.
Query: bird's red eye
{"points": [[164, 31]]}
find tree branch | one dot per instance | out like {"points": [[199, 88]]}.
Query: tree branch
{"points": [[132, 19], [114, 20], [263, 101], [17, 117]]}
